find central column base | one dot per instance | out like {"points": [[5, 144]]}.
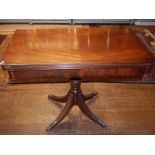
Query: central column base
{"points": [[74, 97]]}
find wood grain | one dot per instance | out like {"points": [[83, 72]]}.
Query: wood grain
{"points": [[117, 74], [24, 109], [126, 108], [106, 54], [76, 45]]}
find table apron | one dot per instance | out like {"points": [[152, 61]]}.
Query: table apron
{"points": [[107, 74]]}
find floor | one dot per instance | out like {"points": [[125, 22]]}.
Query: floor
{"points": [[126, 108]]}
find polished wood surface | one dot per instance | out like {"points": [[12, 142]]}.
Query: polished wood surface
{"points": [[76, 53], [9, 29], [76, 46], [106, 74], [103, 54], [74, 96], [126, 108]]}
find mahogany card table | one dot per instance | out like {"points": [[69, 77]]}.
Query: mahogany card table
{"points": [[77, 55]]}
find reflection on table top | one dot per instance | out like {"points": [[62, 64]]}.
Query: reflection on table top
{"points": [[76, 45]]}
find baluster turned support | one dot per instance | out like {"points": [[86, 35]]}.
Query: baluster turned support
{"points": [[74, 97]]}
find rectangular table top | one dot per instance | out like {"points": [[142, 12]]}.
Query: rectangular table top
{"points": [[76, 46]]}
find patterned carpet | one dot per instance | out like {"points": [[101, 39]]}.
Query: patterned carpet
{"points": [[149, 35], [2, 37], [4, 41]]}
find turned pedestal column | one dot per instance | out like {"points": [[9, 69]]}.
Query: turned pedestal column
{"points": [[74, 97]]}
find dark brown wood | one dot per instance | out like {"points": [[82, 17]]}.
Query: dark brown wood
{"points": [[74, 97], [45, 54], [100, 54], [58, 98], [150, 77], [105, 74], [126, 108]]}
